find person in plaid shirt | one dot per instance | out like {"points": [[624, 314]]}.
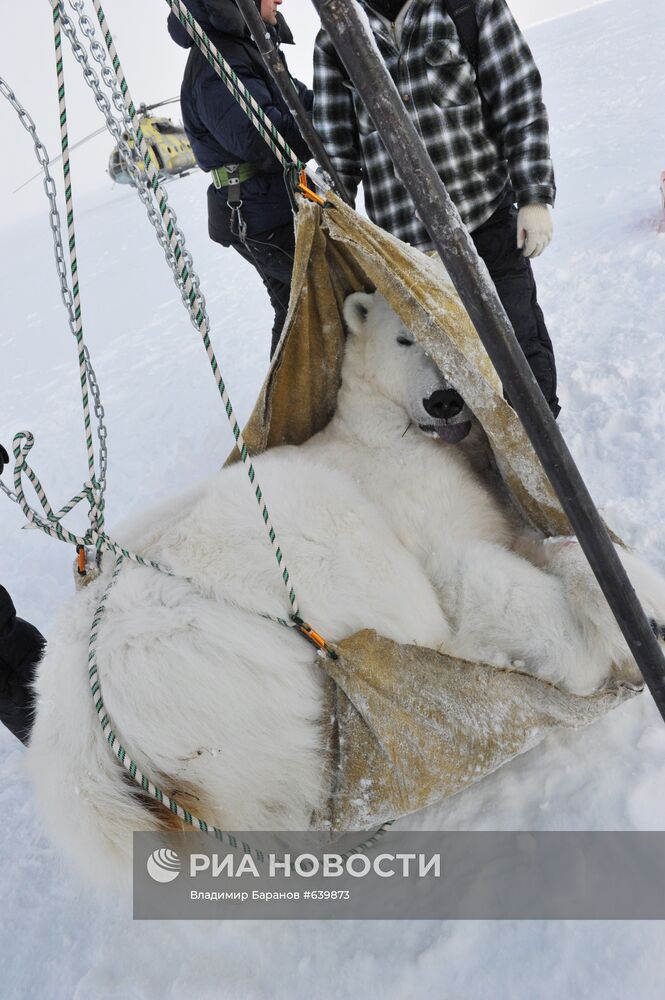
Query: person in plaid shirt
{"points": [[485, 128]]}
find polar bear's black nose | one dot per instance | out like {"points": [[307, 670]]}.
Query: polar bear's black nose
{"points": [[444, 404]]}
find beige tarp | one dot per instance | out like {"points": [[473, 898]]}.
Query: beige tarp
{"points": [[409, 726]]}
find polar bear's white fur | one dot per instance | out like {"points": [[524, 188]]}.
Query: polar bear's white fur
{"points": [[382, 526]]}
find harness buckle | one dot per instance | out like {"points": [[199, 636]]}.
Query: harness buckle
{"points": [[234, 202], [233, 199]]}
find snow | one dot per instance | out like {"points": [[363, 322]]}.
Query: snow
{"points": [[603, 295]]}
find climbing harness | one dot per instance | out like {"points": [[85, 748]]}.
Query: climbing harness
{"points": [[231, 177], [232, 173]]}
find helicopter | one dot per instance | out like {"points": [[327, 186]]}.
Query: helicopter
{"points": [[168, 145]]}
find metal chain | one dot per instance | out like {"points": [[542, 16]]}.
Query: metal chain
{"points": [[114, 80], [87, 372], [172, 241], [117, 127], [93, 490], [24, 441], [179, 260]]}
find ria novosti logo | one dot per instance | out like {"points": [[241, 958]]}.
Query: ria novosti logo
{"points": [[163, 865]]}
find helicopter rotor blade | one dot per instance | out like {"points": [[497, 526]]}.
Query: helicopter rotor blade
{"points": [[159, 104], [55, 159], [143, 109]]}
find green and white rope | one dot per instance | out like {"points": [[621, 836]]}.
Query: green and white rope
{"points": [[242, 95], [22, 445], [196, 304], [138, 775], [96, 512], [119, 751]]}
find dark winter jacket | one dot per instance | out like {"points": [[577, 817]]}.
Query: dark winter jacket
{"points": [[21, 647], [218, 128]]}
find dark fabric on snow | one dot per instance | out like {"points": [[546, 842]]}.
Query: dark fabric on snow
{"points": [[21, 646], [216, 125], [513, 277]]}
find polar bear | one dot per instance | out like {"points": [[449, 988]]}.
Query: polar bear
{"points": [[383, 525]]}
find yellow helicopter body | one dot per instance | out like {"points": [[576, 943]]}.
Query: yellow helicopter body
{"points": [[169, 147]]}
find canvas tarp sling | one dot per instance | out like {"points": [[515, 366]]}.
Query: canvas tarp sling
{"points": [[407, 726]]}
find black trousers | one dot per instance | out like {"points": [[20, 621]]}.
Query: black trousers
{"points": [[511, 272], [271, 253]]}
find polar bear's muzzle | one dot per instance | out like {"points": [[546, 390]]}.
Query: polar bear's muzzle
{"points": [[451, 417]]}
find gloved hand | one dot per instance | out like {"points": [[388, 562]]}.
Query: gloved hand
{"points": [[534, 229]]}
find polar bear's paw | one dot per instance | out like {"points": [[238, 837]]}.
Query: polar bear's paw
{"points": [[589, 606], [587, 601]]}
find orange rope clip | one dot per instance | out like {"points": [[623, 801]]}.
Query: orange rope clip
{"points": [[307, 191], [81, 560], [317, 640]]}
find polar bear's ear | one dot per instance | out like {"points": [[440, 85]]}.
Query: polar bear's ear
{"points": [[356, 311]]}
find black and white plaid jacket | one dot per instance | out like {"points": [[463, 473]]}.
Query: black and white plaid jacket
{"points": [[475, 158]]}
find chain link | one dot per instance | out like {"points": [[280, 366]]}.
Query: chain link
{"points": [[9, 493], [50, 190]]}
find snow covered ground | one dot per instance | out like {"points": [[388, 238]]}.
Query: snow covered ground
{"points": [[601, 285]]}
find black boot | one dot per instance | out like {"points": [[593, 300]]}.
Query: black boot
{"points": [[21, 646]]}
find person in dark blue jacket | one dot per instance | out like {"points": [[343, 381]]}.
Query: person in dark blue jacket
{"points": [[227, 145]]}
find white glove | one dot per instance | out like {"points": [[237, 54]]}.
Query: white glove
{"points": [[534, 229]]}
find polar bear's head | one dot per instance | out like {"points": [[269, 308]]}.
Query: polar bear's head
{"points": [[382, 351]]}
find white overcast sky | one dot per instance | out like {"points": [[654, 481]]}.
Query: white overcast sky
{"points": [[153, 66]]}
